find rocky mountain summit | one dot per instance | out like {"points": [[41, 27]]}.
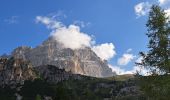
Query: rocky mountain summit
{"points": [[50, 52]]}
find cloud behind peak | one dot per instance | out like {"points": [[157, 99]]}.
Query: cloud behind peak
{"points": [[72, 37]]}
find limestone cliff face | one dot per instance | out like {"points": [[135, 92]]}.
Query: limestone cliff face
{"points": [[15, 71], [50, 52]]}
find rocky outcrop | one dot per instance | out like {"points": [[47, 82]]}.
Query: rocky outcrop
{"points": [[15, 71], [50, 52], [53, 74]]}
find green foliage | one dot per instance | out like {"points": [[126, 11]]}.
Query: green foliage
{"points": [[85, 89], [121, 77], [32, 88], [157, 59], [156, 87], [38, 97], [158, 56], [7, 93]]}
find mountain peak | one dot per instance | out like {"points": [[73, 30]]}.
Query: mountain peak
{"points": [[80, 61]]}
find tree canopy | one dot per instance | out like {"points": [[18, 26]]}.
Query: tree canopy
{"points": [[157, 59]]}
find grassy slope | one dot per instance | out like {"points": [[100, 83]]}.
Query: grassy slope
{"points": [[121, 77]]}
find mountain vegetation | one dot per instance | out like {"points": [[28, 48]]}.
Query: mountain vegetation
{"points": [[157, 59]]}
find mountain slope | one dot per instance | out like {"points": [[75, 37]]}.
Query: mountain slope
{"points": [[15, 71], [18, 78], [50, 52]]}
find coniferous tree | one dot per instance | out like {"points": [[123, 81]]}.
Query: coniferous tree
{"points": [[157, 59]]}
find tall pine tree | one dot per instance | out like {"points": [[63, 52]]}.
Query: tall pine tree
{"points": [[158, 56]]}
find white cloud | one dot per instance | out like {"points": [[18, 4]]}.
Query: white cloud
{"points": [[139, 60], [81, 23], [119, 70], [163, 2], [142, 8], [72, 37], [167, 11], [105, 51], [126, 58], [49, 22], [141, 69], [146, 70], [135, 69], [58, 15]]}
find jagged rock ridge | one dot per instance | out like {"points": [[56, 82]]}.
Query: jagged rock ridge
{"points": [[50, 52]]}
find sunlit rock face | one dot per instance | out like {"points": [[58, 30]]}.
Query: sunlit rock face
{"points": [[80, 61], [15, 71]]}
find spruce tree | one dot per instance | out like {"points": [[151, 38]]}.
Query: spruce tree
{"points": [[157, 59]]}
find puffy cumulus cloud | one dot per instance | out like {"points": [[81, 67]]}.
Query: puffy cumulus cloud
{"points": [[126, 58], [71, 37], [105, 51], [142, 8], [120, 71]]}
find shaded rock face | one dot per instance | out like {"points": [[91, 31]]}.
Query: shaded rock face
{"points": [[15, 71], [50, 52], [53, 74]]}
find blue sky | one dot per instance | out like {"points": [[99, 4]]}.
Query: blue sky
{"points": [[109, 21]]}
